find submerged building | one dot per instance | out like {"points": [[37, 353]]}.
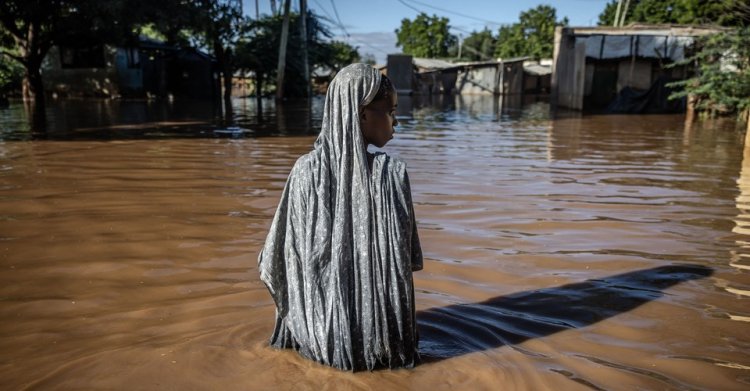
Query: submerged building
{"points": [[621, 69], [426, 76], [148, 68]]}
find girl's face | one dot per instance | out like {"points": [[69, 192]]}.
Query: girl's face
{"points": [[378, 119]]}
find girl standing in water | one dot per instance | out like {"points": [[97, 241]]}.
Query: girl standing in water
{"points": [[343, 243]]}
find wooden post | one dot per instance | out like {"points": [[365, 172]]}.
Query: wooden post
{"points": [[282, 52]]}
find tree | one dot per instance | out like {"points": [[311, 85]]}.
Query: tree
{"points": [[258, 51], [719, 12], [369, 58], [338, 54], [11, 75], [218, 24], [722, 83], [172, 21], [31, 27], [533, 35], [607, 16], [479, 46], [425, 36]]}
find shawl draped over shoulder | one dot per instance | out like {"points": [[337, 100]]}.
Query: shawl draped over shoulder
{"points": [[343, 243]]}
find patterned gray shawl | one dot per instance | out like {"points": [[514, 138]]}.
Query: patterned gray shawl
{"points": [[343, 243]]}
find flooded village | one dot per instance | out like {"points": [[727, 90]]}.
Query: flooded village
{"points": [[581, 190]]}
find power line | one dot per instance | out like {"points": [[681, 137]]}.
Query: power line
{"points": [[340, 25], [336, 12], [408, 5], [448, 11], [330, 17]]}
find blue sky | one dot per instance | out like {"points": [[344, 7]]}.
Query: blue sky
{"points": [[370, 24]]}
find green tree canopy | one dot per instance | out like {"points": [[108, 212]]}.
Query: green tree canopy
{"points": [[722, 83], [259, 50], [29, 28], [479, 46], [425, 36], [718, 12], [533, 35]]}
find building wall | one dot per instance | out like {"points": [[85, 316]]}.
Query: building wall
{"points": [[401, 72], [86, 82], [635, 74], [129, 72], [512, 78], [569, 71], [483, 80]]}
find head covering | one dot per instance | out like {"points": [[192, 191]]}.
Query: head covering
{"points": [[326, 261]]}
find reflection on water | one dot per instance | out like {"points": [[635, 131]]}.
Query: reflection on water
{"points": [[114, 119], [604, 252]]}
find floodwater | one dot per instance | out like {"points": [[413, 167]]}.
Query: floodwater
{"points": [[598, 252]]}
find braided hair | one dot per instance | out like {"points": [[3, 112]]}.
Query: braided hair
{"points": [[385, 90]]}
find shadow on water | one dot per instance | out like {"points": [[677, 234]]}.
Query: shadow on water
{"points": [[456, 330]]}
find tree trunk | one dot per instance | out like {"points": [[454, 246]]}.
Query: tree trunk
{"points": [[223, 59], [32, 54], [282, 53], [258, 92], [33, 88]]}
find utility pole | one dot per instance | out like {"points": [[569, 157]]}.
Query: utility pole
{"points": [[273, 7], [460, 42], [282, 52], [257, 12], [617, 13], [624, 13], [303, 34]]}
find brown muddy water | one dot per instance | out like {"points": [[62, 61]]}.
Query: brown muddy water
{"points": [[603, 252]]}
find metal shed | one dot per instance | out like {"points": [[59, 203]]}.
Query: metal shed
{"points": [[595, 66]]}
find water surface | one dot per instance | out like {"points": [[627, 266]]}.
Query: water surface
{"points": [[603, 252]]}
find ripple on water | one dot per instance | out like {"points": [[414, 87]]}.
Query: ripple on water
{"points": [[597, 252]]}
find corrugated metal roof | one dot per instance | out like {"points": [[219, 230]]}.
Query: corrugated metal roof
{"points": [[537, 69], [432, 63], [646, 29]]}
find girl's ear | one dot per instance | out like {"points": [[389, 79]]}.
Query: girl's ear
{"points": [[362, 116]]}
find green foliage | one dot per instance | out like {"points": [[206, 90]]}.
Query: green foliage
{"points": [[718, 12], [259, 50], [607, 16], [340, 54], [172, 21], [216, 24], [479, 46], [11, 75], [368, 58], [31, 27], [533, 35], [425, 36], [722, 83]]}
